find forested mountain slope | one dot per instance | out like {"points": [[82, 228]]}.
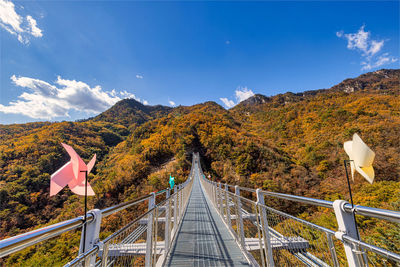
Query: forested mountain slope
{"points": [[129, 112], [30, 153], [289, 143]]}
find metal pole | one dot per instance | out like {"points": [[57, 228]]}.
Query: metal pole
{"points": [[239, 216], [220, 204], [348, 182], [259, 235], [332, 250], [347, 226], [85, 216], [167, 222], [155, 236], [351, 196], [149, 234], [228, 209], [265, 228], [175, 209]]}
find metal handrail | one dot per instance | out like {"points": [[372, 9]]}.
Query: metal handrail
{"points": [[356, 250], [316, 226], [99, 245], [122, 206], [16, 243], [82, 256], [19, 242], [113, 235], [389, 215], [384, 214], [389, 254], [306, 200]]}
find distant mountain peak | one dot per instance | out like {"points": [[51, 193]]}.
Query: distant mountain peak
{"points": [[255, 100], [129, 111], [383, 79]]}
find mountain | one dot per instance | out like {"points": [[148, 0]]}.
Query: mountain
{"points": [[255, 100], [384, 81], [289, 143], [130, 111]]}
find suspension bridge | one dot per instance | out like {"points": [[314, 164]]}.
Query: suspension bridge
{"points": [[204, 223]]}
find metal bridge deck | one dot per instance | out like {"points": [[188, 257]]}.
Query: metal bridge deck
{"points": [[203, 239]]}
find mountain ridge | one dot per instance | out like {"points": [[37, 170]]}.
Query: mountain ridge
{"points": [[132, 111], [289, 143], [383, 80]]}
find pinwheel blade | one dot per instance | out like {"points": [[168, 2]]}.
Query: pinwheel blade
{"points": [[78, 164], [80, 189], [91, 164], [61, 178]]}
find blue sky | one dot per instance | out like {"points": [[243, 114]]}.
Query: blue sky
{"points": [[67, 60]]}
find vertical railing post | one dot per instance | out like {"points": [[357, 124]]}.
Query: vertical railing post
{"points": [[239, 216], [220, 204], [216, 195], [155, 235], [167, 222], [265, 228], [180, 202], [178, 191], [92, 234], [332, 250], [175, 209], [213, 194], [104, 257], [228, 209], [149, 236], [347, 226], [257, 212]]}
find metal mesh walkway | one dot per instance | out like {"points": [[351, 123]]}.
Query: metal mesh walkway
{"points": [[203, 239]]}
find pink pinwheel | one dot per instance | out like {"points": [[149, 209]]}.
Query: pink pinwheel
{"points": [[73, 174]]}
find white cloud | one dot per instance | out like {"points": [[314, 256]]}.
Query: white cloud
{"points": [[228, 103], [15, 24], [48, 101], [361, 41], [35, 31], [10, 20], [358, 40], [381, 60], [172, 103], [241, 93], [139, 76], [375, 47], [125, 94]]}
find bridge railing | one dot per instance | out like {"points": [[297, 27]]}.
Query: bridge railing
{"points": [[142, 242], [272, 237]]}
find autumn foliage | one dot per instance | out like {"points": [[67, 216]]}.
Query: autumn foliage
{"points": [[290, 143]]}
